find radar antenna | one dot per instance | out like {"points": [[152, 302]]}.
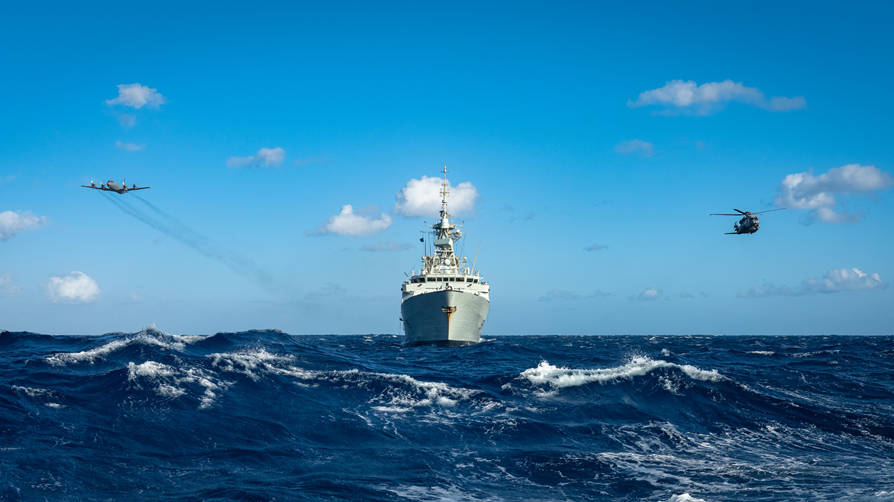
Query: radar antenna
{"points": [[445, 191]]}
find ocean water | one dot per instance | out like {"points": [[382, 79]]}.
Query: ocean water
{"points": [[264, 415]]}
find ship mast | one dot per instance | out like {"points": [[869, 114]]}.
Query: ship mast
{"points": [[444, 260]]}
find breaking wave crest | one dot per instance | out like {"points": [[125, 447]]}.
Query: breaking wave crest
{"points": [[560, 377]]}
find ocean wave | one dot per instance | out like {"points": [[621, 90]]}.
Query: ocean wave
{"points": [[171, 382], [561, 377], [364, 417], [148, 336], [684, 497], [401, 393]]}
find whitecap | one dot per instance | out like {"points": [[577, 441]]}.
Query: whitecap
{"points": [[31, 391], [560, 377], [685, 497], [146, 337], [150, 369]]}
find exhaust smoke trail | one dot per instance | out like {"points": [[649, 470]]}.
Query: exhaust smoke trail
{"points": [[172, 227]]}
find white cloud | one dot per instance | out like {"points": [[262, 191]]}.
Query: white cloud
{"points": [[348, 223], [7, 286], [844, 279], [128, 147], [817, 193], [423, 198], [686, 96], [596, 247], [137, 96], [12, 223], [127, 121], [330, 289], [556, 294], [649, 294], [269, 157], [643, 148], [834, 281], [76, 287], [389, 246]]}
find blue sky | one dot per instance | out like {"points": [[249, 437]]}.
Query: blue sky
{"points": [[593, 140]]}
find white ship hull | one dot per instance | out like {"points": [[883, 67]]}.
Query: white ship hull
{"points": [[448, 318]]}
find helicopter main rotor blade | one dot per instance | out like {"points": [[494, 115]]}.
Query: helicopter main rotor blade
{"points": [[743, 212], [721, 214], [770, 210]]}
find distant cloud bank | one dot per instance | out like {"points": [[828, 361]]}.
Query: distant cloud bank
{"points": [[834, 281], [687, 97], [266, 157], [13, 223], [596, 247], [128, 147], [558, 294], [635, 146], [817, 193], [76, 287], [137, 96], [330, 289], [423, 198], [7, 286], [649, 295], [357, 225]]}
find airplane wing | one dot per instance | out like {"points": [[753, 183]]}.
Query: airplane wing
{"points": [[138, 188], [104, 189]]}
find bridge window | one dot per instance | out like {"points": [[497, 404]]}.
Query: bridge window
{"points": [[431, 279], [469, 279]]}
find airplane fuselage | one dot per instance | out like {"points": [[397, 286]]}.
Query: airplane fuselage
{"points": [[116, 187]]}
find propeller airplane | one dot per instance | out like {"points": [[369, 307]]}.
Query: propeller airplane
{"points": [[111, 186]]}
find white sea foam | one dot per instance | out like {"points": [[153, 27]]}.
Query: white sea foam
{"points": [[405, 393], [437, 494], [55, 405], [685, 497], [762, 352], [150, 369], [560, 377], [249, 363], [31, 391], [168, 381], [89, 356], [148, 336], [816, 353]]}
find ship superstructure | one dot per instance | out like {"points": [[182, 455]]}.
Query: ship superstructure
{"points": [[446, 303]]}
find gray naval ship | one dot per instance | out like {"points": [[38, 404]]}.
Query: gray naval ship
{"points": [[446, 303]]}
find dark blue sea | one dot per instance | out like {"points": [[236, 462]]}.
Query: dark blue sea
{"points": [[263, 415]]}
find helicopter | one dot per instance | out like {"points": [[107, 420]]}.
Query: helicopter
{"points": [[747, 225]]}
